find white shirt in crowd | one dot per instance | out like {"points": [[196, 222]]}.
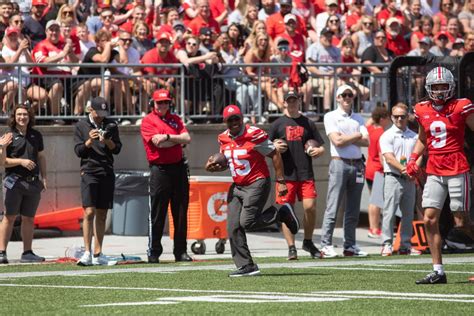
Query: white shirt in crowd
{"points": [[398, 142], [340, 122]]}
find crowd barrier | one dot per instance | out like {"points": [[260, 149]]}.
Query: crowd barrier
{"points": [[200, 91]]}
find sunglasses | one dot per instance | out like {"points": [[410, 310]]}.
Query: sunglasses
{"points": [[126, 40], [191, 44], [162, 102], [283, 48], [401, 117], [380, 37], [107, 16], [368, 23], [18, 22], [347, 95], [334, 21], [447, 4], [68, 13]]}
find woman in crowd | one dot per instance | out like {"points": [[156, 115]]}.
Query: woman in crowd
{"points": [[425, 30], [365, 37], [334, 24], [440, 19], [466, 16], [141, 41]]}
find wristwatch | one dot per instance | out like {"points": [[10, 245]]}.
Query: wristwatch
{"points": [[281, 181]]}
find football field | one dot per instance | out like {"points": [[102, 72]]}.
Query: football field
{"points": [[364, 286]]}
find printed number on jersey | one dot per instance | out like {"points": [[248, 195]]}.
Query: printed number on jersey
{"points": [[237, 166], [439, 133]]}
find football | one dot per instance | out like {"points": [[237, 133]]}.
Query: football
{"points": [[310, 143], [282, 143], [219, 158]]}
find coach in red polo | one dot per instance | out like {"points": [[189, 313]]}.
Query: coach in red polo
{"points": [[163, 135]]}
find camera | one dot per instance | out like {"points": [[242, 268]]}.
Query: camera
{"points": [[106, 132]]}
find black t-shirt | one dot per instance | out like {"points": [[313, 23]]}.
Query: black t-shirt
{"points": [[296, 132], [98, 159], [34, 30], [372, 54], [88, 59], [25, 147]]}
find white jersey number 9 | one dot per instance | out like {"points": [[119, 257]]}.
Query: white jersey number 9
{"points": [[439, 133]]}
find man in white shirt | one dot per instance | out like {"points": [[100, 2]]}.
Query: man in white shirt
{"points": [[396, 144], [347, 133]]}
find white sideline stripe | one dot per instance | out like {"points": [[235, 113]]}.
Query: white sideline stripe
{"points": [[130, 304], [229, 267], [393, 270], [433, 295]]}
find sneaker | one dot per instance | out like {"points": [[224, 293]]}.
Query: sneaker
{"points": [[374, 233], [247, 270], [153, 259], [328, 252], [387, 250], [31, 257], [85, 260], [433, 278], [354, 251], [287, 215], [100, 260], [3, 258], [409, 252], [292, 253], [309, 246]]}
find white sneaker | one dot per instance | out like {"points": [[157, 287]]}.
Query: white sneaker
{"points": [[102, 260], [85, 260], [354, 251], [125, 123], [386, 250], [328, 252]]}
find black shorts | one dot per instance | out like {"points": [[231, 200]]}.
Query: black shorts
{"points": [[97, 191], [23, 198], [48, 82]]}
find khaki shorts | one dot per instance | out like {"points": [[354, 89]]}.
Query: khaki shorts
{"points": [[438, 187]]}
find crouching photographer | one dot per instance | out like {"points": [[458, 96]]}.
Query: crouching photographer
{"points": [[96, 140]]}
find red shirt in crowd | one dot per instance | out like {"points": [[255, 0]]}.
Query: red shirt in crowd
{"points": [[385, 14], [373, 160], [198, 22], [397, 44], [45, 49], [276, 25], [217, 7], [297, 42], [246, 163], [445, 135], [152, 57], [153, 124]]}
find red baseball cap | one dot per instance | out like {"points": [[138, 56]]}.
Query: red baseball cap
{"points": [[11, 30], [164, 35], [40, 2], [231, 110], [161, 95]]}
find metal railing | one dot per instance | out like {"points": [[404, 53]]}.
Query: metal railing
{"points": [[200, 91]]}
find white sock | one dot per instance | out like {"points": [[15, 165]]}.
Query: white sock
{"points": [[438, 268]]}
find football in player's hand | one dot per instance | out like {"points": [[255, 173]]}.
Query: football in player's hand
{"points": [[309, 145], [281, 145], [220, 159]]}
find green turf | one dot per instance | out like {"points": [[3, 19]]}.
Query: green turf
{"points": [[274, 283]]}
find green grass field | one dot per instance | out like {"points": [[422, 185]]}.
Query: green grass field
{"points": [[370, 286]]}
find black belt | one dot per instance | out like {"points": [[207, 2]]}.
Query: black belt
{"points": [[396, 175], [349, 161], [30, 178]]}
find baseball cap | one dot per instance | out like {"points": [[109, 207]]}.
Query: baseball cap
{"points": [[291, 94], [178, 24], [205, 31], [39, 2], [161, 95], [329, 2], [52, 23], [439, 34], [164, 35], [343, 88], [11, 30], [289, 17], [281, 41], [425, 40], [231, 110], [100, 106], [326, 30], [392, 20], [286, 2]]}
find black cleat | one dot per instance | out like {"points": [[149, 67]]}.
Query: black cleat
{"points": [[292, 253], [3, 258], [247, 270], [184, 257], [433, 278], [153, 259], [309, 246], [287, 215]]}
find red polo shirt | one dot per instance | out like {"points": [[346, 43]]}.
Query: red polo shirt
{"points": [[397, 45], [153, 124], [152, 57]]}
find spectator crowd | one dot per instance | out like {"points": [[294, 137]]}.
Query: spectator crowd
{"points": [[205, 36]]}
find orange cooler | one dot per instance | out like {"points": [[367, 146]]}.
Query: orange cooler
{"points": [[207, 212]]}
